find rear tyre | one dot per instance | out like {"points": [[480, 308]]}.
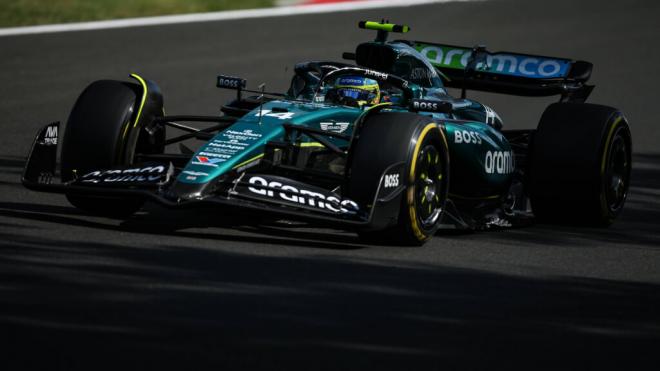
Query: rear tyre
{"points": [[98, 135], [580, 164], [388, 138]]}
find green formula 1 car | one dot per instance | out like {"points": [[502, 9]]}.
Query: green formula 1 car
{"points": [[375, 145]]}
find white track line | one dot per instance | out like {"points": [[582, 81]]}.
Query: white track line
{"points": [[216, 16]]}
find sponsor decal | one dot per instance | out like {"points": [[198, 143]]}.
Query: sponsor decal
{"points": [[50, 139], [225, 146], [299, 195], [391, 180], [503, 63], [467, 137], [279, 115], [212, 149], [213, 154], [419, 73], [431, 106], [491, 115], [499, 162], [195, 173], [207, 161], [146, 174], [379, 75], [351, 81], [248, 165], [335, 127], [45, 178], [241, 135], [229, 82]]}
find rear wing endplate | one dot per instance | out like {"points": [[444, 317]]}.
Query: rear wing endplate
{"points": [[507, 72]]}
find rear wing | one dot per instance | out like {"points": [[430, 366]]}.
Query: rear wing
{"points": [[508, 73]]}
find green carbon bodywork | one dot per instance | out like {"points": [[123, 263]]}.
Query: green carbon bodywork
{"points": [[482, 162], [245, 140], [481, 159]]}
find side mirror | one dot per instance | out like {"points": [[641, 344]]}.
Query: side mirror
{"points": [[478, 59]]}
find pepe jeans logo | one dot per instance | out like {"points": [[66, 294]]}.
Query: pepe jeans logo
{"points": [[509, 64]]}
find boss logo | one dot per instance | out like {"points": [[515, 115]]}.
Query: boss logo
{"points": [[425, 106], [468, 137], [230, 82], [391, 180], [430, 106]]}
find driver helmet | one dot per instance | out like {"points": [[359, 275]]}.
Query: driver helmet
{"points": [[354, 91]]}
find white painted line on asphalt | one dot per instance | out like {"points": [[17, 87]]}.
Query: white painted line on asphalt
{"points": [[218, 16]]}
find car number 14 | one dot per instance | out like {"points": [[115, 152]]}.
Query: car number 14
{"points": [[279, 115]]}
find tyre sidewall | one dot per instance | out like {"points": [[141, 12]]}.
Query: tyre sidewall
{"points": [[100, 134], [571, 144]]}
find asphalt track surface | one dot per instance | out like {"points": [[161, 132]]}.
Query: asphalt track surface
{"points": [[204, 290]]}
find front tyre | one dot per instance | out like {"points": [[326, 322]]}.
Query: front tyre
{"points": [[428, 185], [102, 133], [420, 147]]}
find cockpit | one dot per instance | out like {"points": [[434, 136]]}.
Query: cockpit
{"points": [[399, 59], [395, 58]]}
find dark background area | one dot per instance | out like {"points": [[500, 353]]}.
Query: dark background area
{"points": [[205, 290]]}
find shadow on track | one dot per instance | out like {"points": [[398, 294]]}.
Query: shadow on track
{"points": [[81, 305], [98, 305], [169, 223]]}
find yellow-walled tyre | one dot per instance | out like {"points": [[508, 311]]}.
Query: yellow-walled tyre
{"points": [[388, 138], [580, 164], [102, 132]]}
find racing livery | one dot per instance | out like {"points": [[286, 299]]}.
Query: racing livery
{"points": [[375, 144]]}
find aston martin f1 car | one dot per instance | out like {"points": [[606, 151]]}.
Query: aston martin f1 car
{"points": [[374, 144]]}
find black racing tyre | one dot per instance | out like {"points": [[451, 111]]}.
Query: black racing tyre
{"points": [[580, 164], [387, 138], [98, 136]]}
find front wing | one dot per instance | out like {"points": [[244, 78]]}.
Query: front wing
{"points": [[251, 193]]}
